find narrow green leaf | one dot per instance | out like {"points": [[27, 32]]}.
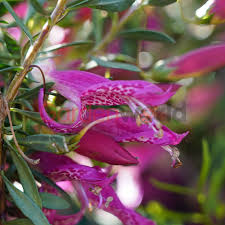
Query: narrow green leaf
{"points": [[11, 68], [33, 92], [25, 204], [116, 65], [6, 56], [51, 201], [35, 116], [26, 177], [18, 127], [161, 2], [216, 184], [205, 166], [147, 35], [59, 46], [65, 195], [38, 7], [11, 44], [4, 22], [98, 25], [17, 19], [108, 5], [45, 142], [19, 222], [172, 187]]}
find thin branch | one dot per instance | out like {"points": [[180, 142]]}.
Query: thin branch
{"points": [[29, 160]]}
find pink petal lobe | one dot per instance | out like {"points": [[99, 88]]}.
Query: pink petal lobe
{"points": [[58, 127], [115, 93], [125, 129], [113, 205], [62, 168]]}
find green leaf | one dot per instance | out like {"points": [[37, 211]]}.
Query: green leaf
{"points": [[65, 195], [205, 166], [147, 35], [108, 5], [172, 187], [11, 44], [10, 68], [18, 127], [216, 184], [17, 19], [51, 201], [46, 142], [6, 56], [25, 175], [33, 92], [116, 65], [59, 46], [4, 22], [38, 7], [19, 222], [6, 67], [98, 25], [161, 2], [25, 204], [35, 116]]}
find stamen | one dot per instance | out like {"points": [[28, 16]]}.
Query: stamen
{"points": [[100, 200], [90, 125], [108, 200], [144, 114], [174, 153]]}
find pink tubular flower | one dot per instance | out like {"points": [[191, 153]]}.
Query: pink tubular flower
{"points": [[92, 186], [213, 12], [104, 128], [83, 88], [194, 63]]}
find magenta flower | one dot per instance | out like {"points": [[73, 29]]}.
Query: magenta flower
{"points": [[100, 140], [213, 12], [83, 88], [92, 186], [194, 63]]}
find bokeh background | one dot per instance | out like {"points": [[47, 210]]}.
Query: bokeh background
{"points": [[191, 194]]}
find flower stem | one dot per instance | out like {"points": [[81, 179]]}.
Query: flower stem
{"points": [[34, 49]]}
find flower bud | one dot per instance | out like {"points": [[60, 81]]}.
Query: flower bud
{"points": [[212, 12], [195, 63]]}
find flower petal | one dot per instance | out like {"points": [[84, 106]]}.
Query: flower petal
{"points": [[198, 62], [125, 129], [112, 204], [101, 147], [71, 83], [62, 168], [115, 93], [58, 127]]}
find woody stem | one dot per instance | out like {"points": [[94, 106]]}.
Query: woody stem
{"points": [[34, 49]]}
